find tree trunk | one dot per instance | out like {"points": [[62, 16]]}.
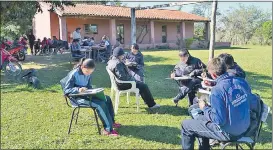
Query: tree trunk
{"points": [[212, 29]]}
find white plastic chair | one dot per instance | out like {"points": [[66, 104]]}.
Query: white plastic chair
{"points": [[115, 89]]}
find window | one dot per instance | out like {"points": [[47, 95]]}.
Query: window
{"points": [[164, 34], [178, 28], [91, 28], [120, 33]]}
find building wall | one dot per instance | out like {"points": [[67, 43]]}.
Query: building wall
{"points": [[55, 27], [104, 29], [41, 24], [189, 29], [73, 23]]}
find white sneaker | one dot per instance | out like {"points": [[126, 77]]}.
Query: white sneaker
{"points": [[155, 106]]}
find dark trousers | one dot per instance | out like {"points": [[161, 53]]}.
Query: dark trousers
{"points": [[204, 130], [31, 45], [189, 88], [144, 91]]}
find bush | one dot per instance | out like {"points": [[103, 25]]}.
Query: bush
{"points": [[188, 42]]}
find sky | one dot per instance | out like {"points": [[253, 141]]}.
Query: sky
{"points": [[224, 5]]}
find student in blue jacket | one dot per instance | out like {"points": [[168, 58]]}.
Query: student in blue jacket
{"points": [[228, 116], [78, 80], [136, 56]]}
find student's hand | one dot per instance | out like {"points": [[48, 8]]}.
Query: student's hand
{"points": [[191, 74], [203, 75], [82, 89], [202, 104], [172, 75]]}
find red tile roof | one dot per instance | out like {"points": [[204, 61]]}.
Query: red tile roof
{"points": [[124, 12]]}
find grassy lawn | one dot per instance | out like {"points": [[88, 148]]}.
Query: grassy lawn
{"points": [[33, 119]]}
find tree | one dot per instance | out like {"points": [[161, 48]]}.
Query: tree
{"points": [[238, 25], [16, 16], [202, 9], [212, 30]]}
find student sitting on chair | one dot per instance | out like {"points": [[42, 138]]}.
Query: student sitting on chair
{"points": [[137, 71], [188, 66], [79, 80], [232, 67], [228, 116], [76, 49], [121, 72]]}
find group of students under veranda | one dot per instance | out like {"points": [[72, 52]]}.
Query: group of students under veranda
{"points": [[226, 118]]}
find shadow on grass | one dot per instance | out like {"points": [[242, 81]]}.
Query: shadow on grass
{"points": [[162, 134], [217, 48], [172, 110], [151, 58], [259, 82]]}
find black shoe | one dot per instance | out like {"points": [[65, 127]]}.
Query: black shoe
{"points": [[177, 98]]}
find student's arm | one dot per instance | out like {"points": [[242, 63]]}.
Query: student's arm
{"points": [[178, 72], [121, 73], [217, 113], [89, 84], [69, 85], [199, 70]]}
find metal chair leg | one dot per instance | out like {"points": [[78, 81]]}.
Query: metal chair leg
{"points": [[72, 117], [225, 145], [97, 122], [77, 115]]}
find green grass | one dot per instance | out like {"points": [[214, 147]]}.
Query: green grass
{"points": [[33, 119]]}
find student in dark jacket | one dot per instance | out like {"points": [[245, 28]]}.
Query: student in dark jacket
{"points": [[121, 72], [188, 66], [136, 56], [31, 39], [232, 67], [79, 80], [228, 116]]}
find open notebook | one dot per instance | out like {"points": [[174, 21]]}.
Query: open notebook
{"points": [[181, 78]]}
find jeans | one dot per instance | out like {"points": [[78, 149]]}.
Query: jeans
{"points": [[144, 91], [104, 109], [204, 130]]}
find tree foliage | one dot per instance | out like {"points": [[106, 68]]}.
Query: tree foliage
{"points": [[202, 9], [238, 25], [16, 16]]}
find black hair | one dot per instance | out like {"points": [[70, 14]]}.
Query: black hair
{"points": [[227, 59], [217, 66], [76, 40], [135, 46], [86, 63], [184, 52], [92, 38]]}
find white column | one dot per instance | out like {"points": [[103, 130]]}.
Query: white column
{"points": [[183, 25], [152, 28], [63, 29], [133, 25], [113, 31]]}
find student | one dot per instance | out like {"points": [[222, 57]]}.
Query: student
{"points": [[31, 39], [228, 116], [136, 56], [188, 66], [77, 34], [232, 67], [37, 46], [76, 49], [121, 72], [79, 80]]}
